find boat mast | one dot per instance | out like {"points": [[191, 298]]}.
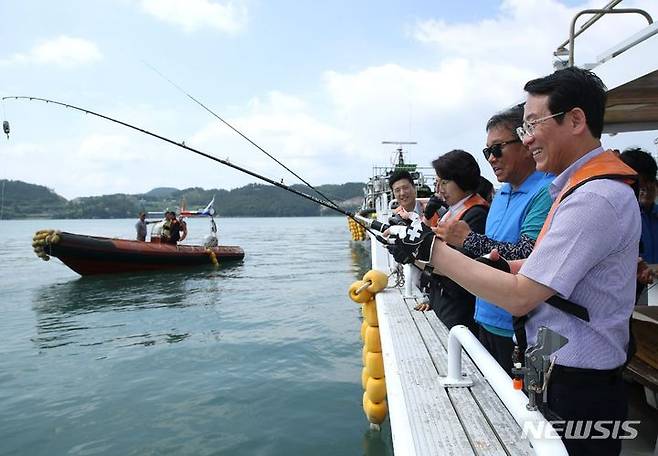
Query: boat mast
{"points": [[399, 152]]}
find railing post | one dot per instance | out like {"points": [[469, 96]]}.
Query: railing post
{"points": [[548, 443]]}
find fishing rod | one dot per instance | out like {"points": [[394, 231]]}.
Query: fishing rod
{"points": [[198, 152], [238, 132]]}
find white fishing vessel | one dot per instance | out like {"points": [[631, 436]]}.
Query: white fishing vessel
{"points": [[377, 195]]}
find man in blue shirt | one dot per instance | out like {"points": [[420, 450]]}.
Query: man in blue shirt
{"points": [[645, 165], [515, 218]]}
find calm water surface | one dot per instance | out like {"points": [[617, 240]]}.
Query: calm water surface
{"points": [[260, 358]]}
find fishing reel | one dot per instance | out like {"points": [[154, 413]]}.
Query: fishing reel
{"points": [[536, 372], [5, 127]]}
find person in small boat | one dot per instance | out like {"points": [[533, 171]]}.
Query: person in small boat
{"points": [[174, 229], [402, 185], [165, 236], [140, 226], [515, 218], [458, 176], [586, 255], [183, 228]]}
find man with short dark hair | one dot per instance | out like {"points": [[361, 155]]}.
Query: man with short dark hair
{"points": [[140, 226], [586, 254], [404, 191]]}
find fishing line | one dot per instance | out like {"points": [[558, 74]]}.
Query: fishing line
{"points": [[238, 132], [198, 152]]}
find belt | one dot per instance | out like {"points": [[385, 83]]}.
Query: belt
{"points": [[577, 375]]}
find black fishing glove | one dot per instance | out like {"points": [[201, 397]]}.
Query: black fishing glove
{"points": [[433, 205], [398, 220], [410, 242]]}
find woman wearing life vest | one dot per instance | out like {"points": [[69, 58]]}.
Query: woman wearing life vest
{"points": [[458, 177]]}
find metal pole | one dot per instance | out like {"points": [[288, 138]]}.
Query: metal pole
{"points": [[572, 34]]}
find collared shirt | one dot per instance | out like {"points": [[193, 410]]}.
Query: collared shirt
{"points": [[649, 245], [589, 256], [513, 212], [418, 208], [455, 209], [140, 227]]}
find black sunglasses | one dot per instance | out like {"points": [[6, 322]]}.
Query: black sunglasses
{"points": [[497, 149]]}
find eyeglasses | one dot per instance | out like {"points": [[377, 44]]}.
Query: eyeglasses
{"points": [[528, 127], [497, 149], [441, 182]]}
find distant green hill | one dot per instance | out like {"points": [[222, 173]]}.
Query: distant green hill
{"points": [[161, 192], [23, 200]]}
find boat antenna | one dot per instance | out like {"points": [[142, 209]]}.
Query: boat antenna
{"points": [[198, 152], [188, 95], [400, 154]]}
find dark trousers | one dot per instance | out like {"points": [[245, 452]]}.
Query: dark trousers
{"points": [[584, 394], [499, 347]]}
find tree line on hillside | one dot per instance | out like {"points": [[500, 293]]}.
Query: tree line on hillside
{"points": [[22, 200]]}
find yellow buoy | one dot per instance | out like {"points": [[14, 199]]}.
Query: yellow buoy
{"points": [[375, 389], [364, 378], [370, 313], [376, 412], [363, 296], [378, 280], [373, 342], [375, 365], [364, 325], [364, 354]]}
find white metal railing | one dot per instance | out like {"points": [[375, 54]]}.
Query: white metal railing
{"points": [[515, 400]]}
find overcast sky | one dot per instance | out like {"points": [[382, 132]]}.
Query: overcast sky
{"points": [[318, 85]]}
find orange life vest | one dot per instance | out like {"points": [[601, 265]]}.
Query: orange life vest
{"points": [[472, 201], [604, 166]]}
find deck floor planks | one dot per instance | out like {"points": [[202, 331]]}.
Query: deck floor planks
{"points": [[435, 427], [501, 420], [483, 438]]}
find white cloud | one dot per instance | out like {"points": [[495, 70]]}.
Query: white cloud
{"points": [[442, 108], [192, 15], [525, 33], [283, 126], [63, 51]]}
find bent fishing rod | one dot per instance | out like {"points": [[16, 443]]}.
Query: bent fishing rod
{"points": [[194, 99], [359, 220]]}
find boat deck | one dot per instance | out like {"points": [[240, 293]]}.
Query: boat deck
{"points": [[427, 418]]}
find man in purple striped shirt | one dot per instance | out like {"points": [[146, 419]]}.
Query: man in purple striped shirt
{"points": [[586, 253]]}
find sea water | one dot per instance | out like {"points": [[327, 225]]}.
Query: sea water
{"points": [[259, 358]]}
